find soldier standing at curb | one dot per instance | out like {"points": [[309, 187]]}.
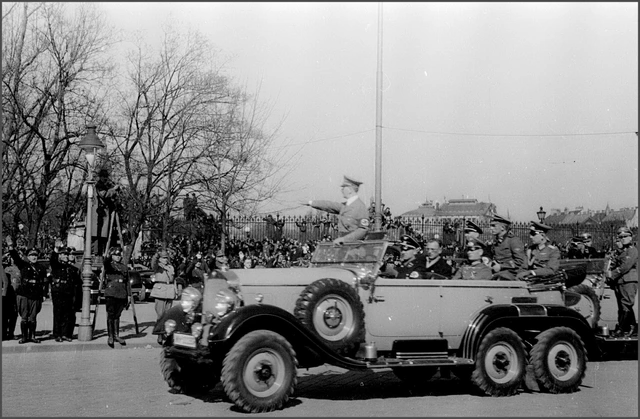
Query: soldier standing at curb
{"points": [[353, 216], [164, 288], [30, 291], [623, 278], [115, 293], [64, 285]]}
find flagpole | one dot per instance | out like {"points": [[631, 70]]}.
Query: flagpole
{"points": [[378, 172]]}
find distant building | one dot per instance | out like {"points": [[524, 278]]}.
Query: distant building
{"points": [[454, 209], [625, 216]]}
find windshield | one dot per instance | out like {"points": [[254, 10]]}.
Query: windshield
{"points": [[356, 253]]}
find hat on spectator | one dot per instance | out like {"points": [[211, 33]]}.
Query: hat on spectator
{"points": [[407, 242], [71, 249], [471, 226], [163, 254], [539, 227], [577, 239], [498, 219], [351, 182], [624, 232], [220, 254]]}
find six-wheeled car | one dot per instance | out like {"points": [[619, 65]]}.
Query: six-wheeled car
{"points": [[253, 328]]}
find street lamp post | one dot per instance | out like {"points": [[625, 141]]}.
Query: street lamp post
{"points": [[90, 143], [541, 214]]}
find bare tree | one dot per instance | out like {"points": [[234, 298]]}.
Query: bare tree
{"points": [[240, 169], [50, 56], [159, 132]]}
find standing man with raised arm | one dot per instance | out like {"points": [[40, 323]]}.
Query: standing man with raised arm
{"points": [[353, 216]]}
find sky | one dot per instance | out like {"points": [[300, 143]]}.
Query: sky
{"points": [[519, 104]]}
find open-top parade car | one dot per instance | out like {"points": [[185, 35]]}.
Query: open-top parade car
{"points": [[254, 328]]}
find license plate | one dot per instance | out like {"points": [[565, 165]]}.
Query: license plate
{"points": [[186, 341]]}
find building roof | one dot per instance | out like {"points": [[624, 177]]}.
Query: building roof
{"points": [[453, 208]]}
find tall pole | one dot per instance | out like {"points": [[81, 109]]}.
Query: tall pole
{"points": [[378, 215], [85, 328]]}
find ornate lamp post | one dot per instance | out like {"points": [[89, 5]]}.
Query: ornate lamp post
{"points": [[541, 214], [90, 143]]}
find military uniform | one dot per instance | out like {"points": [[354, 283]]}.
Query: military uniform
{"points": [[624, 281], [116, 294], [477, 270], [353, 216], [66, 279], [543, 262], [414, 268], [30, 292], [508, 251]]}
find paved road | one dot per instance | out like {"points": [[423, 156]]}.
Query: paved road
{"points": [[127, 382]]}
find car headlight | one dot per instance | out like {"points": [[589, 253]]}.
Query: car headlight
{"points": [[169, 326], [225, 301]]}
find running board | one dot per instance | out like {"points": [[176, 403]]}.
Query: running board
{"points": [[407, 363]]}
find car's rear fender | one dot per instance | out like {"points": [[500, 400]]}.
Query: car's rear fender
{"points": [[310, 350], [525, 319]]}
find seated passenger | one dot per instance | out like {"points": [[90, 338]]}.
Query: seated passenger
{"points": [[435, 264], [543, 259], [474, 268], [411, 259]]}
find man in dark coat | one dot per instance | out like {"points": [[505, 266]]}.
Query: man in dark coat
{"points": [[66, 279], [30, 291]]}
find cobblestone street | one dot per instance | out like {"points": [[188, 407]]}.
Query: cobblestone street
{"points": [[128, 383]]}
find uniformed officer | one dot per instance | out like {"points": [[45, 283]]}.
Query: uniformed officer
{"points": [[588, 251], [116, 293], [473, 231], [623, 278], [543, 259], [353, 217], [507, 250], [66, 279], [30, 291], [412, 260], [474, 268]]}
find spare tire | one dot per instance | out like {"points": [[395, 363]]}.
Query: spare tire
{"points": [[588, 305], [332, 310]]}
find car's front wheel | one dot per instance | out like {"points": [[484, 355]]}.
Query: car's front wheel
{"points": [[500, 363], [559, 360], [259, 372]]}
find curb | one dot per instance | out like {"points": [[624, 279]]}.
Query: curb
{"points": [[74, 346]]}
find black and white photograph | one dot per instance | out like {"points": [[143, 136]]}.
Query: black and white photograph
{"points": [[309, 209]]}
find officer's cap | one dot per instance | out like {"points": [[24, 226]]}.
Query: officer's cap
{"points": [[32, 251], [351, 182], [475, 242], [624, 232], [116, 251], [586, 236], [498, 219], [539, 227], [408, 242], [220, 254], [163, 254], [471, 226], [577, 239]]}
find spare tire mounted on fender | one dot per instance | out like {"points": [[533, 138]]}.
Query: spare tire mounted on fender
{"points": [[332, 310]]}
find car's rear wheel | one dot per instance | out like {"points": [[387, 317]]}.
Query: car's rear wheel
{"points": [[259, 372], [588, 305], [333, 311], [500, 363], [559, 360]]}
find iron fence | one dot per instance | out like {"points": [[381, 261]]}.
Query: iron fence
{"points": [[306, 228]]}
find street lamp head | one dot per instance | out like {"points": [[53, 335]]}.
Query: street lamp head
{"points": [[541, 214], [90, 143]]}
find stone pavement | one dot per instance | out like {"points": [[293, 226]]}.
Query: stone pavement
{"points": [[145, 314]]}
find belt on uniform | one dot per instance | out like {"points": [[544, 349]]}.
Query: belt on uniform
{"points": [[116, 280], [32, 281], [161, 282]]}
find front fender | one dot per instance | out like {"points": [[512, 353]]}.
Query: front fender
{"points": [[521, 318], [267, 317]]}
